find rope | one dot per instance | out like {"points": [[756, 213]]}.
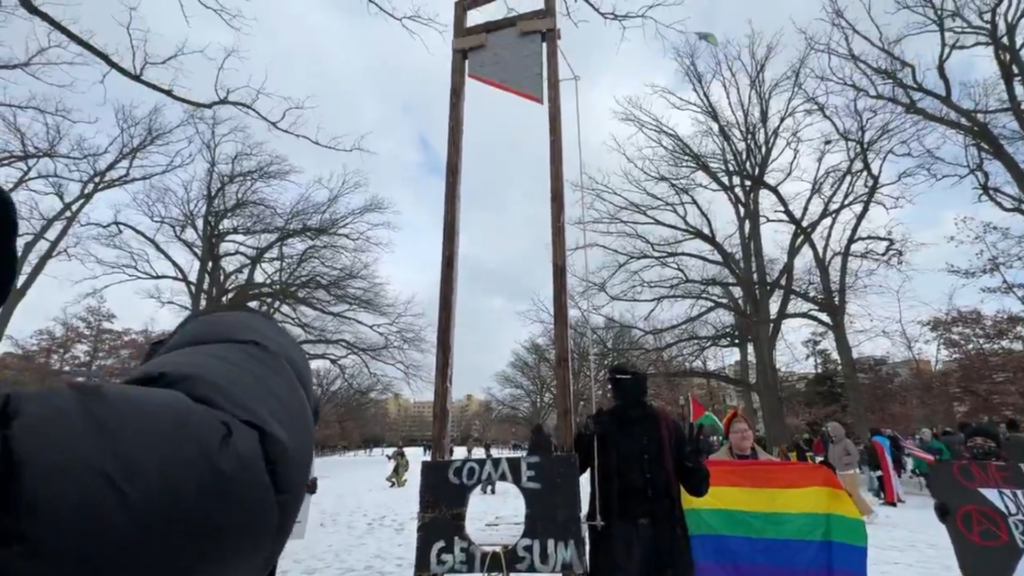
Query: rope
{"points": [[586, 274], [501, 554]]}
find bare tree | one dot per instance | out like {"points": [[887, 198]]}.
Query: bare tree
{"points": [[55, 173], [524, 391], [853, 237], [346, 394], [44, 57], [975, 125], [689, 228], [997, 258], [238, 227], [135, 59]]}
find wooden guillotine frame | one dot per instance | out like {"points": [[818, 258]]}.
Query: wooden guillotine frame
{"points": [[466, 38]]}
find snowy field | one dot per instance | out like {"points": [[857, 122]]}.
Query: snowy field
{"points": [[358, 526]]}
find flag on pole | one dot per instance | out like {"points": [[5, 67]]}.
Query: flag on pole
{"points": [[701, 415]]}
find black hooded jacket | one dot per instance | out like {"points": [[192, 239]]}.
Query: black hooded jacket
{"points": [[540, 441], [197, 465], [639, 458]]}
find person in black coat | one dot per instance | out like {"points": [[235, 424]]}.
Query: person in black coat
{"points": [[541, 443], [642, 458], [198, 464], [981, 444]]}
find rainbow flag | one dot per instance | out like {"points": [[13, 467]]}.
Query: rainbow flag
{"points": [[775, 519]]}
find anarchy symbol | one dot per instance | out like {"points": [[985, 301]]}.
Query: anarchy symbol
{"points": [[982, 526]]}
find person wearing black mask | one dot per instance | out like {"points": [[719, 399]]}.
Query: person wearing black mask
{"points": [[639, 456], [981, 444], [197, 464], [541, 443]]}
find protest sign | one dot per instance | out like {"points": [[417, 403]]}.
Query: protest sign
{"points": [[986, 524]]}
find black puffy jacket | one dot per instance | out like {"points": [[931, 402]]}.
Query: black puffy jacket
{"points": [[196, 466]]}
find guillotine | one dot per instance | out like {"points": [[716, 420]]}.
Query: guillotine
{"points": [[509, 54]]}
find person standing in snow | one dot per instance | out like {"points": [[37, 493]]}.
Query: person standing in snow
{"points": [[954, 441], [397, 477], [639, 457], [821, 443], [541, 443], [1013, 444], [929, 444], [491, 482], [845, 459], [881, 466], [981, 444]]}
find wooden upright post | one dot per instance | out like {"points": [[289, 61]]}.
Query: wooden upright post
{"points": [[559, 274], [449, 246]]}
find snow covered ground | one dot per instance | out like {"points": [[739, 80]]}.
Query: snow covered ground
{"points": [[360, 527]]}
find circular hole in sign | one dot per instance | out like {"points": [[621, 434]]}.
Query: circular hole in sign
{"points": [[495, 520]]}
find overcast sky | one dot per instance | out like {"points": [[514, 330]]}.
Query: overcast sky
{"points": [[369, 76]]}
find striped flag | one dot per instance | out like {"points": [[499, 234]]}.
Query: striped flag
{"points": [[916, 452]]}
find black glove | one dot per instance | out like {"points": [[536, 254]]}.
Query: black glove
{"points": [[588, 428], [694, 444], [594, 423], [828, 465], [311, 486], [8, 245], [942, 511]]}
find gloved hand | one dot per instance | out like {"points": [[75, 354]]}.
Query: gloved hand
{"points": [[311, 486], [828, 465], [694, 446], [942, 511], [594, 423]]}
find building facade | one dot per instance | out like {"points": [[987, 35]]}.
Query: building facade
{"points": [[411, 421]]}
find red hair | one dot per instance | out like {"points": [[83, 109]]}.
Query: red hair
{"points": [[731, 417]]}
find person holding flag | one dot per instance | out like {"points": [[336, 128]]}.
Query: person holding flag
{"points": [[701, 417], [881, 467], [927, 452]]}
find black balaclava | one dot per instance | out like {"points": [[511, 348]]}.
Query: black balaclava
{"points": [[990, 450], [629, 386]]}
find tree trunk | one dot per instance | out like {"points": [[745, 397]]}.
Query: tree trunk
{"points": [[749, 408], [767, 383], [851, 379], [7, 312]]}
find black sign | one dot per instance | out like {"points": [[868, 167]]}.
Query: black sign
{"points": [[552, 539], [986, 526]]}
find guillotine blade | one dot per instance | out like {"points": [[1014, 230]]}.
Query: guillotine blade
{"points": [[511, 61], [552, 537]]}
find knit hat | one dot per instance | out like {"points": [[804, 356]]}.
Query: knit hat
{"points": [[731, 417]]}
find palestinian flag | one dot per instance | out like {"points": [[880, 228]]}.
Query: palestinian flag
{"points": [[701, 415]]}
